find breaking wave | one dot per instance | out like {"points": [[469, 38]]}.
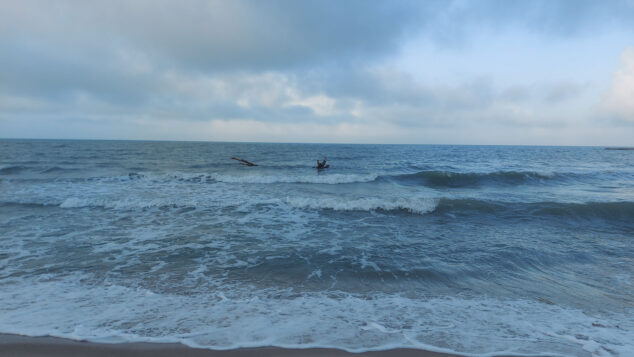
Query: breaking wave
{"points": [[426, 178], [234, 318], [413, 205], [433, 179], [330, 179], [471, 179], [621, 211], [124, 203]]}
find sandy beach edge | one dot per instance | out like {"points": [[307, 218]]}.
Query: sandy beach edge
{"points": [[27, 346]]}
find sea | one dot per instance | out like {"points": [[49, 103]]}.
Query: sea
{"points": [[479, 250]]}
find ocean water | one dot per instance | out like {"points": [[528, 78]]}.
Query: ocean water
{"points": [[474, 249]]}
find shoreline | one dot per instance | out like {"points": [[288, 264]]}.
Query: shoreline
{"points": [[28, 346]]}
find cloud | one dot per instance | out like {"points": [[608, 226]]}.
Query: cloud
{"points": [[354, 98], [216, 35], [60, 74], [196, 61], [282, 68], [213, 35], [619, 99]]}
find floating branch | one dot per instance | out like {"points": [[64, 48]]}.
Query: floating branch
{"points": [[243, 162]]}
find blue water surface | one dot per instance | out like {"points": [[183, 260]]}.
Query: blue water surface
{"points": [[472, 249]]}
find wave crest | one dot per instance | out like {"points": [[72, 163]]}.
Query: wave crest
{"points": [[57, 169], [412, 205], [604, 210], [75, 202], [11, 170], [331, 179], [620, 211], [471, 179]]}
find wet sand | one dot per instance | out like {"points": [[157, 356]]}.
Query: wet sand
{"points": [[18, 346]]}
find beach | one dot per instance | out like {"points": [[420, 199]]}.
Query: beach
{"points": [[23, 346]]}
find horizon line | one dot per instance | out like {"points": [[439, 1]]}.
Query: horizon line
{"points": [[304, 143]]}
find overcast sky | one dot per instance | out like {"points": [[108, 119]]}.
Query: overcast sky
{"points": [[430, 72]]}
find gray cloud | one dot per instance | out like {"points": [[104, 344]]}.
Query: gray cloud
{"points": [[221, 35], [214, 35], [61, 75], [279, 61], [120, 52]]}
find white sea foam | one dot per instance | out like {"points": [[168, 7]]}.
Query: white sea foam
{"points": [[241, 317], [331, 179], [243, 200], [419, 205], [124, 203], [254, 178]]}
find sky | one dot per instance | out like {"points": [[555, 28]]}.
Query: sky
{"points": [[418, 72]]}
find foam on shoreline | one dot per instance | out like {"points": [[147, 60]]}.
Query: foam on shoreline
{"points": [[240, 318]]}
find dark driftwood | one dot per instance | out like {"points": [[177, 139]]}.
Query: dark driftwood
{"points": [[243, 162]]}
